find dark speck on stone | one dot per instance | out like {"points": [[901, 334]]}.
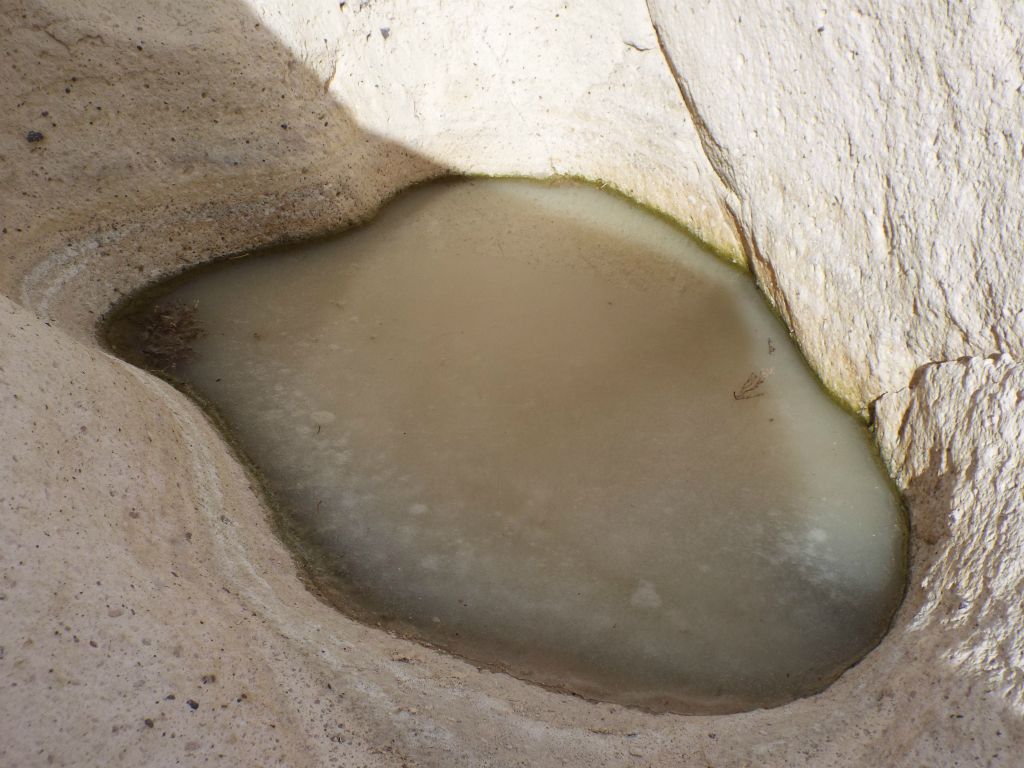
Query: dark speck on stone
{"points": [[33, 136], [193, 704], [385, 32]]}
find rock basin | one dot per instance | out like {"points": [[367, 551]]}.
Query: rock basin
{"points": [[863, 164], [539, 427]]}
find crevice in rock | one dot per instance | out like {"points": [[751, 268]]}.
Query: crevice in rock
{"points": [[919, 371], [728, 198], [710, 146]]}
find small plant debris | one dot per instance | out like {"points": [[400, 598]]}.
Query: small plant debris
{"points": [[169, 333], [749, 389]]}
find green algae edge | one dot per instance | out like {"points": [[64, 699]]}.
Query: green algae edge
{"points": [[324, 582], [732, 259]]}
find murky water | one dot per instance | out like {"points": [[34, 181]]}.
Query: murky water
{"points": [[541, 428]]}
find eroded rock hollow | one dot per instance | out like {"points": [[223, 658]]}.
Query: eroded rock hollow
{"points": [[863, 163]]}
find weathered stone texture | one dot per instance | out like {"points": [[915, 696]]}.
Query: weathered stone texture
{"points": [[864, 159]]}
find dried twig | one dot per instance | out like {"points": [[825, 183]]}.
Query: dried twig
{"points": [[748, 390]]}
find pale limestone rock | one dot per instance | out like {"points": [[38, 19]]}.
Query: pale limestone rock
{"points": [[228, 105], [954, 441], [870, 158], [533, 89]]}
